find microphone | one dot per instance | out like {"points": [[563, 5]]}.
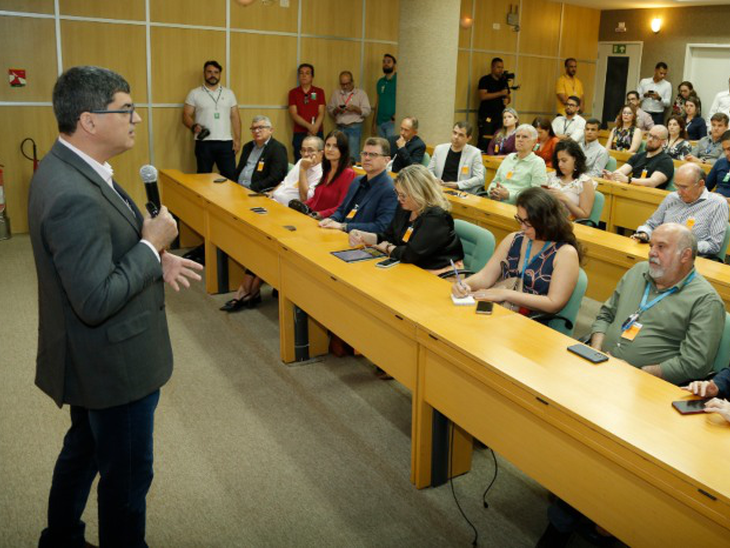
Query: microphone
{"points": [[149, 178]]}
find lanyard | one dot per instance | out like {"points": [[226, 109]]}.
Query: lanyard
{"points": [[349, 98], [529, 261], [566, 125], [644, 306], [220, 90]]}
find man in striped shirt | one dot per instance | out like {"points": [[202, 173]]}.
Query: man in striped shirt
{"points": [[693, 206]]}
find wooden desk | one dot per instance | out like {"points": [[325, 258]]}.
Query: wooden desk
{"points": [[602, 437], [608, 255]]}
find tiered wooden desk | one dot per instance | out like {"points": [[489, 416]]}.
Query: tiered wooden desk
{"points": [[604, 438]]}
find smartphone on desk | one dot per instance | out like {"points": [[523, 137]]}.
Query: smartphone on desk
{"points": [[259, 210], [387, 263], [690, 407], [484, 307], [588, 353]]}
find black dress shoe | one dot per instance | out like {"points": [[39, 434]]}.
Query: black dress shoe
{"points": [[229, 305], [552, 538]]}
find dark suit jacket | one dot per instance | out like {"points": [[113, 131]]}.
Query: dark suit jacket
{"points": [[375, 211], [276, 165], [103, 338], [408, 155]]}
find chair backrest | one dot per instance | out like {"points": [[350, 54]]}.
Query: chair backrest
{"points": [[670, 185], [571, 308], [478, 244], [612, 164], [642, 147], [723, 246], [291, 166], [597, 209], [426, 159], [722, 359]]}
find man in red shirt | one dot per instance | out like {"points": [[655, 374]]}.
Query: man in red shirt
{"points": [[306, 108]]}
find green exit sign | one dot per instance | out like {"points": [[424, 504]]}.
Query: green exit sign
{"points": [[619, 48]]}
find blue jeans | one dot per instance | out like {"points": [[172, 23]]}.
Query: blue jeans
{"points": [[386, 129], [354, 133], [116, 443], [220, 153]]}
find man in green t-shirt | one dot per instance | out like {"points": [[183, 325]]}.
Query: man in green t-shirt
{"points": [[384, 111]]}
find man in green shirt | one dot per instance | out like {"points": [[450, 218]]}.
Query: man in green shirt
{"points": [[384, 111], [519, 170], [664, 317]]}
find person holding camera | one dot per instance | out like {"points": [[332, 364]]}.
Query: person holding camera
{"points": [[494, 93], [349, 106], [568, 85], [211, 113]]}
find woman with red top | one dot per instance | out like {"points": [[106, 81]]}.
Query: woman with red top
{"points": [[336, 177], [546, 139]]}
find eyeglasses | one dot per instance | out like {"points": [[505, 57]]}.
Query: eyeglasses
{"points": [[129, 111], [401, 195], [254, 129], [308, 150], [522, 221], [365, 154], [571, 105]]}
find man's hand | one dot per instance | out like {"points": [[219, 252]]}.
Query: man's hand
{"points": [[236, 146], [329, 223], [176, 270], [401, 142], [722, 407], [305, 163], [499, 193], [619, 177], [705, 389], [355, 239], [653, 370], [597, 340], [160, 231], [642, 237]]}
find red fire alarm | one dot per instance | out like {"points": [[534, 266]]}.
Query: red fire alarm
{"points": [[16, 78]]}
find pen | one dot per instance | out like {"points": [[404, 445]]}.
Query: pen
{"points": [[456, 273]]}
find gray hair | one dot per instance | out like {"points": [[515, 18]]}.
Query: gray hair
{"points": [[318, 143], [695, 171], [261, 118], [527, 128], [413, 120], [687, 240]]}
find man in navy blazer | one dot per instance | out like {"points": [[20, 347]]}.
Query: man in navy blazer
{"points": [[409, 148], [371, 201], [103, 343]]}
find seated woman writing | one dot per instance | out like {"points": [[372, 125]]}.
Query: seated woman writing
{"points": [[536, 269], [422, 231], [569, 183]]}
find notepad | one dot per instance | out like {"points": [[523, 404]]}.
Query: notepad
{"points": [[463, 301]]}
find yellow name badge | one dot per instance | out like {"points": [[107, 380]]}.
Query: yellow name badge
{"points": [[465, 170], [643, 174], [351, 214], [631, 333], [509, 175], [690, 223], [408, 234], [260, 166]]}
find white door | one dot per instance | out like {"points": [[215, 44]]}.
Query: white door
{"points": [[707, 66], [617, 72]]}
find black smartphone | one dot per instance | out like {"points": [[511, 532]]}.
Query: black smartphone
{"points": [[257, 195], [290, 228], [690, 407], [220, 180], [387, 263], [484, 307], [588, 353], [259, 210]]}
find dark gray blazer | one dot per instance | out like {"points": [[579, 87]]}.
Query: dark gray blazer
{"points": [[102, 335]]}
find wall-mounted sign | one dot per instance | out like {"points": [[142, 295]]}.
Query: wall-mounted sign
{"points": [[16, 77], [619, 49]]}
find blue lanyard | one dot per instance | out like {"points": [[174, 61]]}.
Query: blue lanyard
{"points": [[644, 306], [529, 261]]}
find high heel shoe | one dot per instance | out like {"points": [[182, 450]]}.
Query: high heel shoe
{"points": [[234, 305]]}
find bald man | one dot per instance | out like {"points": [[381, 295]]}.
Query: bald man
{"points": [[651, 168]]}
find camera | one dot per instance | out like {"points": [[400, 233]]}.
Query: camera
{"points": [[509, 76], [204, 132]]}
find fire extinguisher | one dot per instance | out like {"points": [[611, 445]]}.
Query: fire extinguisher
{"points": [[4, 221]]}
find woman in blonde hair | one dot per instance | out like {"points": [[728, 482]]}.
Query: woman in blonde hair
{"points": [[422, 231]]}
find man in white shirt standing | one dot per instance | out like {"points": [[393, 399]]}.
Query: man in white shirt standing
{"points": [[720, 104], [572, 124], [349, 106], [656, 93], [211, 113]]}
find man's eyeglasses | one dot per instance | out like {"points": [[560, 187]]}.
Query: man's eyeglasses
{"points": [[365, 154], [129, 111], [254, 129], [522, 221], [571, 105], [308, 151]]}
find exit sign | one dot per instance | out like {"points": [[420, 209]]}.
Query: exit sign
{"points": [[619, 48]]}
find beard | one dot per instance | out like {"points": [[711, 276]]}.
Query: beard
{"points": [[388, 70], [656, 270], [212, 80]]}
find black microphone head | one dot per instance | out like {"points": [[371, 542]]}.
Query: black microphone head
{"points": [[148, 174]]}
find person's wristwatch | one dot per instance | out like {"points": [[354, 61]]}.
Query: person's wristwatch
{"points": [[630, 178]]}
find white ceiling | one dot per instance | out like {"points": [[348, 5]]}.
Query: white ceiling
{"points": [[635, 4]]}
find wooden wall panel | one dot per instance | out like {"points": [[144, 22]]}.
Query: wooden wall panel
{"points": [[580, 33], [537, 93], [465, 34], [39, 124], [211, 13], [265, 68], [117, 47], [488, 13], [28, 6], [482, 64], [280, 121], [539, 27], [173, 143], [189, 49], [131, 10], [462, 80], [260, 17], [381, 20], [587, 74], [28, 44], [332, 18]]}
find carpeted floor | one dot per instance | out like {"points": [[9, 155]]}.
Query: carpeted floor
{"points": [[248, 451]]}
